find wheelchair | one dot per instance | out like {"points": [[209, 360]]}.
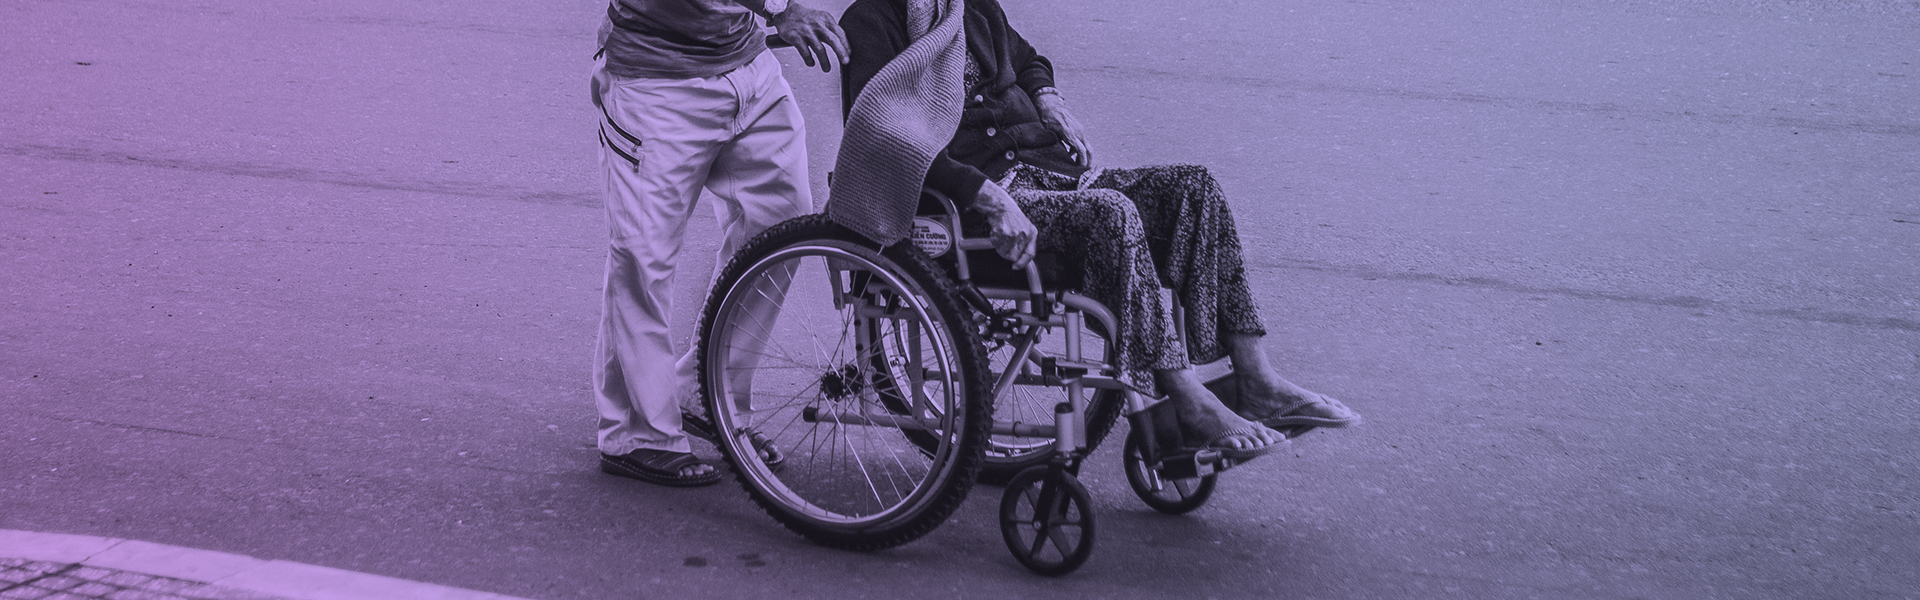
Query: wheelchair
{"points": [[894, 377]]}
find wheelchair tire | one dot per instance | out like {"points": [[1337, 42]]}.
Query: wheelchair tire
{"points": [[782, 355], [1046, 519], [1173, 496]]}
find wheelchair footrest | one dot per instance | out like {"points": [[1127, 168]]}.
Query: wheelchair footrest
{"points": [[1179, 457], [1188, 464]]}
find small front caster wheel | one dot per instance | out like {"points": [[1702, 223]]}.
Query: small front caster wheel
{"points": [[1046, 516], [1164, 494]]}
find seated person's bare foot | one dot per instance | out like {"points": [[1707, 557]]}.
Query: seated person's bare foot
{"points": [[1278, 403], [1203, 417], [1261, 394]]}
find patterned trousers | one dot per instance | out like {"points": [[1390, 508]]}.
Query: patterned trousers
{"points": [[1134, 231]]}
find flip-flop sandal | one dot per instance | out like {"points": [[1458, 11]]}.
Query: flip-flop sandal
{"points": [[700, 427], [660, 467], [769, 453], [1279, 419], [1294, 432], [1242, 454]]}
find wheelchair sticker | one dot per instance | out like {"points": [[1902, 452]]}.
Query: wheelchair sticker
{"points": [[931, 237]]}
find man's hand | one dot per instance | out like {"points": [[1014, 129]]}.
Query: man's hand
{"points": [[1054, 113], [1013, 235], [812, 33]]}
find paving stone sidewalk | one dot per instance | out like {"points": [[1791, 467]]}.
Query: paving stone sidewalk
{"points": [[22, 579], [55, 566]]}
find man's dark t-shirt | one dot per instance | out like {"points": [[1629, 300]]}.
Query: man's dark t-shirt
{"points": [[681, 39]]}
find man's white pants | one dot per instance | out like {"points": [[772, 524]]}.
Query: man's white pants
{"points": [[737, 135]]}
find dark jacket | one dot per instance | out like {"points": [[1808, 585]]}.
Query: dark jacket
{"points": [[999, 125]]}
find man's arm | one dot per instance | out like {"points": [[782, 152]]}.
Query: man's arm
{"points": [[812, 32]]}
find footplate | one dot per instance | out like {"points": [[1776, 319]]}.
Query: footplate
{"points": [[1185, 465]]}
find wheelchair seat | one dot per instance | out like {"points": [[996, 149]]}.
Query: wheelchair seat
{"points": [[990, 270]]}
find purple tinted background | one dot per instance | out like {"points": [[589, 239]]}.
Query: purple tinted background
{"points": [[1626, 291]]}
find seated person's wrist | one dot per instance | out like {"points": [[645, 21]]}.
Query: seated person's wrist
{"points": [[778, 11], [1046, 96], [992, 201], [1049, 102]]}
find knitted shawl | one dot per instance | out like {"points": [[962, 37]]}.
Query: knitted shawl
{"points": [[906, 115]]}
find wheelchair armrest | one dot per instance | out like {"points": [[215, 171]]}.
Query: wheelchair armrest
{"points": [[963, 244]]}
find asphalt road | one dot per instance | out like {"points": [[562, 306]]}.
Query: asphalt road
{"points": [[1625, 290]]}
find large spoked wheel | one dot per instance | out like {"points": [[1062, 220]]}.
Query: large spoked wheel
{"points": [[786, 352], [1046, 518], [1164, 494]]}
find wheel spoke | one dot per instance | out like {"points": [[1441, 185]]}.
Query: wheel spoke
{"points": [[1039, 533], [1061, 541]]}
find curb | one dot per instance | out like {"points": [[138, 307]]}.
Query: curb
{"points": [[279, 578]]}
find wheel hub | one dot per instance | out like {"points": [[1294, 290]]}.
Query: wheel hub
{"points": [[841, 384]]}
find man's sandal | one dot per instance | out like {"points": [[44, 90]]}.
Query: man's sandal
{"points": [[660, 467], [700, 427]]}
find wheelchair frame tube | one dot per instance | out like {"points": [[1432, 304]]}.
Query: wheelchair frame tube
{"points": [[959, 240], [1015, 368], [816, 414], [1063, 426], [828, 415], [1076, 427]]}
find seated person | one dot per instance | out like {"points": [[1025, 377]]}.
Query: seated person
{"points": [[1019, 167]]}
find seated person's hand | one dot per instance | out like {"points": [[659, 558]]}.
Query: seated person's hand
{"points": [[813, 33], [1013, 235], [1054, 113]]}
